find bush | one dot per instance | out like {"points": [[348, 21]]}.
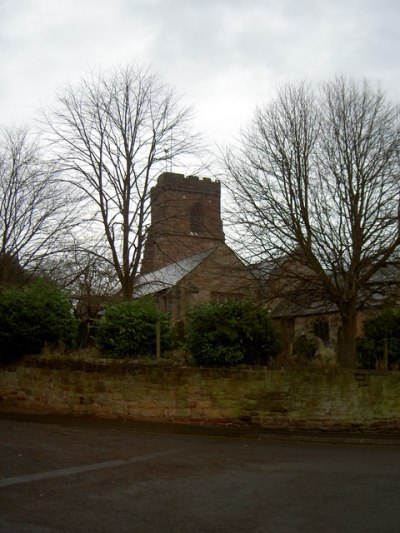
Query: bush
{"points": [[305, 347], [129, 329], [370, 347], [231, 333], [32, 317]]}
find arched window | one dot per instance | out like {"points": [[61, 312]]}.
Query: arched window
{"points": [[196, 219]]}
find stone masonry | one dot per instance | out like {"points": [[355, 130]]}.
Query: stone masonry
{"points": [[185, 219]]}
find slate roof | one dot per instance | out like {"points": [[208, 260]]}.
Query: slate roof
{"points": [[168, 276], [383, 287], [288, 309]]}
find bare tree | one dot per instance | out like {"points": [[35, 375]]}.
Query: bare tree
{"points": [[35, 211], [91, 283], [316, 188], [112, 135]]}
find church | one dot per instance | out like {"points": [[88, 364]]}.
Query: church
{"points": [[186, 260]]}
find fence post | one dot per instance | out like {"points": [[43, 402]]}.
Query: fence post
{"points": [[385, 354], [158, 340]]}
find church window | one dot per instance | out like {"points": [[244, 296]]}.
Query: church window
{"points": [[196, 219], [223, 297]]}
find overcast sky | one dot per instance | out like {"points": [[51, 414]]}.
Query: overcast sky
{"points": [[224, 56]]}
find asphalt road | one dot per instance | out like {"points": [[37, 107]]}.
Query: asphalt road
{"points": [[71, 475]]}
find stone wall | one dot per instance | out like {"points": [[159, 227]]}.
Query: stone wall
{"points": [[318, 399]]}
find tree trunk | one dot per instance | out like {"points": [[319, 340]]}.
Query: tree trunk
{"points": [[127, 288], [347, 356]]}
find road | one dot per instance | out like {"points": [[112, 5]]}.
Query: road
{"points": [[77, 475]]}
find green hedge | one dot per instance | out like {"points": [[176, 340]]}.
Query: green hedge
{"points": [[231, 333], [32, 317], [370, 347], [128, 329]]}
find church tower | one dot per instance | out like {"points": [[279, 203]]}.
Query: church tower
{"points": [[185, 219]]}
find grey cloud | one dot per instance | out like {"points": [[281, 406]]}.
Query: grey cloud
{"points": [[242, 47]]}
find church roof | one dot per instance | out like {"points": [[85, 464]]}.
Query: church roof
{"points": [[168, 276]]}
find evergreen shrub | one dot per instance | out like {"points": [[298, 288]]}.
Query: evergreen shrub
{"points": [[305, 347], [370, 347], [128, 329], [33, 317], [230, 333]]}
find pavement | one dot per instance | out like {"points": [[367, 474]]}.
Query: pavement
{"points": [[67, 475], [376, 438]]}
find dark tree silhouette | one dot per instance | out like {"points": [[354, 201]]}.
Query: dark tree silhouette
{"points": [[36, 211], [316, 190], [112, 135]]}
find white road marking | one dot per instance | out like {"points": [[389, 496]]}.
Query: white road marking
{"points": [[6, 482]]}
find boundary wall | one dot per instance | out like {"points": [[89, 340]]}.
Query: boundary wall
{"points": [[292, 399]]}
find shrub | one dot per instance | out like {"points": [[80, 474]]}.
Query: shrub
{"points": [[370, 347], [305, 347], [231, 333], [129, 329], [32, 317]]}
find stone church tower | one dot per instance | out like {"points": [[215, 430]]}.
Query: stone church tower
{"points": [[185, 219]]}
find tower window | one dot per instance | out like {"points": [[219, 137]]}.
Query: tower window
{"points": [[196, 219]]}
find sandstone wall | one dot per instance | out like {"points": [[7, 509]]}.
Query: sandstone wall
{"points": [[318, 399]]}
